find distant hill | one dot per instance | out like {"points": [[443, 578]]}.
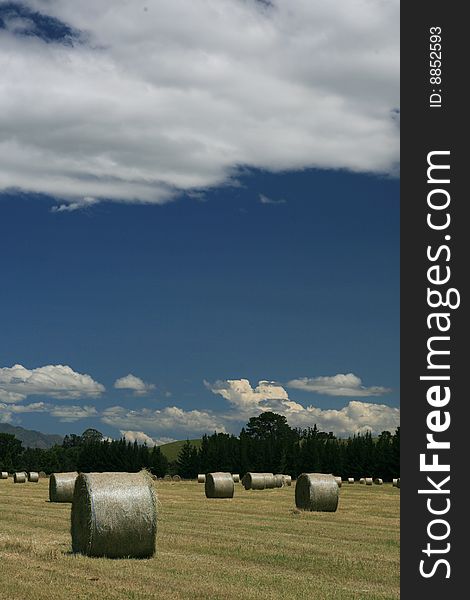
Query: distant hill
{"points": [[172, 449], [31, 438]]}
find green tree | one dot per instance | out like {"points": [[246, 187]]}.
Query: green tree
{"points": [[10, 451]]}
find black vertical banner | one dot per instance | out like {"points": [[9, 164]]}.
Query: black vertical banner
{"points": [[434, 296]]}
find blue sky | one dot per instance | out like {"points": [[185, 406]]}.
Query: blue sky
{"points": [[207, 280]]}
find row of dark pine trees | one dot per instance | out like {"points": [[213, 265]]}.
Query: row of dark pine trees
{"points": [[266, 444]]}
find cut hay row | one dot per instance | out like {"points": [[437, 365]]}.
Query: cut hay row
{"points": [[201, 478], [20, 477], [219, 485], [33, 477], [114, 515], [61, 486], [316, 492], [3, 474], [396, 482]]}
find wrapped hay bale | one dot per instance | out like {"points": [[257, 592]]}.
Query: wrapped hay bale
{"points": [[339, 481], [61, 486], [42, 475], [176, 478], [396, 482], [219, 485], [114, 515], [316, 492], [379, 481], [350, 479], [369, 480], [3, 474], [20, 477], [33, 477], [362, 480], [279, 480], [201, 478], [236, 478], [167, 478], [288, 480]]}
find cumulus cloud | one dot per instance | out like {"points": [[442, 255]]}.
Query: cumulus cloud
{"points": [[55, 381], [337, 385], [170, 418], [137, 385], [355, 417], [142, 438], [241, 395], [149, 103]]}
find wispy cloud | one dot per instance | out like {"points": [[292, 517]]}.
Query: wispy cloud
{"points": [[161, 421], [266, 200], [174, 98], [337, 385]]}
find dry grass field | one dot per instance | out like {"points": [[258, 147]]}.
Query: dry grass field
{"points": [[254, 546]]}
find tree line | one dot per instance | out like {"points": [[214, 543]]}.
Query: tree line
{"points": [[267, 444]]}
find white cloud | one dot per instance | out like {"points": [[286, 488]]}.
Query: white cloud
{"points": [[242, 396], [137, 385], [266, 200], [55, 381], [179, 96], [337, 385], [66, 414], [268, 396], [170, 418], [142, 438]]}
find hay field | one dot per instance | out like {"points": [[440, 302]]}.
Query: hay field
{"points": [[254, 546]]}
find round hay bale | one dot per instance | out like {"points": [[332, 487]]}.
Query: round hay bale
{"points": [[219, 485], [236, 478], [176, 478], [167, 478], [379, 481], [270, 481], [288, 480], [3, 474], [339, 481], [20, 477], [369, 481], [201, 478], [396, 482], [61, 486], [33, 477], [362, 480], [257, 481], [350, 479], [114, 515], [42, 475], [279, 480], [316, 492]]}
